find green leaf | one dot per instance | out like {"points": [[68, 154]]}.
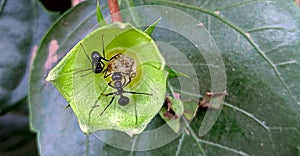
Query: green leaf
{"points": [[20, 34], [85, 93], [259, 42], [261, 66]]}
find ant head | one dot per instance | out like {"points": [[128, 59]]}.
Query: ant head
{"points": [[95, 56], [116, 76], [123, 101]]}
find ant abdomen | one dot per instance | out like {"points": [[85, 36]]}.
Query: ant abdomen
{"points": [[123, 100]]}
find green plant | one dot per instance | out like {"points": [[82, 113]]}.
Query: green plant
{"points": [[259, 43]]}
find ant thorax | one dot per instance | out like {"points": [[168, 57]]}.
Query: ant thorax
{"points": [[123, 64]]}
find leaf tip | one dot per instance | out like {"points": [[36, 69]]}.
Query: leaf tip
{"points": [[84, 128], [100, 17], [151, 28], [50, 78]]}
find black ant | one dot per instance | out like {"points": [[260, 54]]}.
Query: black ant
{"points": [[119, 86], [117, 77], [96, 60]]}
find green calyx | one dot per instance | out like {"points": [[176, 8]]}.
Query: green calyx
{"points": [[94, 98]]}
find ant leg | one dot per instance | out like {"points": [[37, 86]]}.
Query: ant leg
{"points": [[129, 76], [112, 92], [83, 70], [86, 54], [125, 84], [109, 94], [105, 72], [111, 85], [114, 56], [112, 99], [86, 74], [137, 93]]}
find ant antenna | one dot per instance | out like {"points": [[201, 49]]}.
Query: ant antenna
{"points": [[85, 53]]}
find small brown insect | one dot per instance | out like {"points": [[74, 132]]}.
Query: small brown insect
{"points": [[123, 64]]}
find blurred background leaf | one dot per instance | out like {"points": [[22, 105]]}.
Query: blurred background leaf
{"points": [[21, 30], [22, 25]]}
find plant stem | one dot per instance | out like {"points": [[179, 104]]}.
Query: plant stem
{"points": [[114, 11]]}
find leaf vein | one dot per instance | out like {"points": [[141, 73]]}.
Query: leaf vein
{"points": [[212, 143], [262, 123], [287, 63], [267, 28], [180, 144]]}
